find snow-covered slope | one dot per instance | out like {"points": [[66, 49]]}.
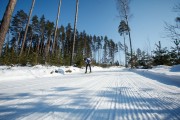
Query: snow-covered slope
{"points": [[168, 72]]}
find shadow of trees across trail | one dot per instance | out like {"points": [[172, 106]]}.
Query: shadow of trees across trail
{"points": [[112, 103], [133, 104], [119, 95], [165, 79]]}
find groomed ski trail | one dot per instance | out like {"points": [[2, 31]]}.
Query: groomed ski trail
{"points": [[103, 95]]}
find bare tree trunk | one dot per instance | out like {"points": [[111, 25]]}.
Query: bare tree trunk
{"points": [[98, 55], [41, 44], [6, 22], [53, 49], [75, 22], [27, 25], [85, 47], [47, 48], [38, 46], [17, 44], [120, 56], [130, 43], [30, 46], [125, 51], [37, 52]]}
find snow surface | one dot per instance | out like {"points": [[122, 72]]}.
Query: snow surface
{"points": [[66, 93]]}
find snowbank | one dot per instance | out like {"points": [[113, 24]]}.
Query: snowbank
{"points": [[171, 72], [175, 68], [38, 71]]}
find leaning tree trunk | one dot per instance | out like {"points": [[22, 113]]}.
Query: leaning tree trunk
{"points": [[75, 22], [27, 25], [56, 26], [6, 22]]}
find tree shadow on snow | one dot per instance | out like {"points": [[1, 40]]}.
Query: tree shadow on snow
{"points": [[133, 105], [62, 89], [114, 101], [159, 78]]}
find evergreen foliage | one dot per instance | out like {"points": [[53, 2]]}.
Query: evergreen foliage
{"points": [[39, 44], [38, 48]]}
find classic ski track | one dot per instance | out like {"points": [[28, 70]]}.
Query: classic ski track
{"points": [[159, 94], [134, 95], [103, 98], [159, 101], [140, 97], [121, 92], [161, 90], [25, 101], [94, 106], [30, 81], [96, 102], [161, 76], [31, 86], [67, 101]]}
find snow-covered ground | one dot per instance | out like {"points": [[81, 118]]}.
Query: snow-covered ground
{"points": [[66, 93]]}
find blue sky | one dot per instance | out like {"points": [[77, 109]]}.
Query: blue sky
{"points": [[100, 17]]}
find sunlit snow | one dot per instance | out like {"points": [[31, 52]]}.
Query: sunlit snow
{"points": [[66, 93]]}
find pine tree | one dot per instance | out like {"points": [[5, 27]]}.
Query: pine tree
{"points": [[49, 29], [74, 37], [18, 26], [57, 19], [27, 25], [123, 30], [105, 50], [99, 46], [161, 55], [175, 53], [123, 9], [6, 22]]}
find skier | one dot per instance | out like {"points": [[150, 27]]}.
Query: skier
{"points": [[88, 63]]}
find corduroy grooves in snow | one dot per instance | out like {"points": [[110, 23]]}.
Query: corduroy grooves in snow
{"points": [[66, 93]]}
